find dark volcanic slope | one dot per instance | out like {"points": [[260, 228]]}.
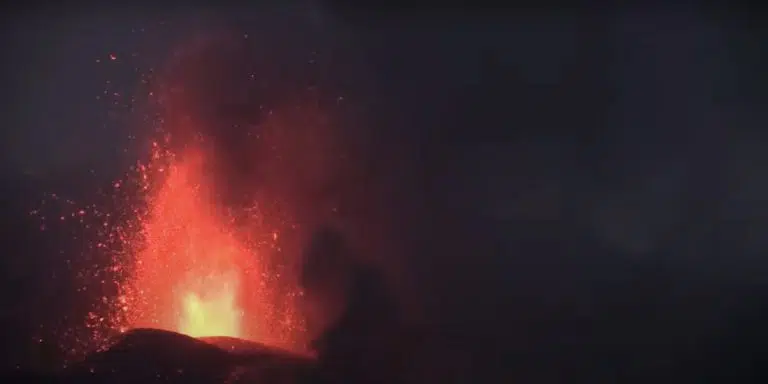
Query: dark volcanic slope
{"points": [[259, 363], [251, 349], [145, 356]]}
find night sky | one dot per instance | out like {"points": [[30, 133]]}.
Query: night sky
{"points": [[566, 194]]}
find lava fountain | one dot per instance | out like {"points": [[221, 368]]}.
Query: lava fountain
{"points": [[199, 269], [187, 273], [202, 237]]}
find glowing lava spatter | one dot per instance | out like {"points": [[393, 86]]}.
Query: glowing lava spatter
{"points": [[187, 275], [164, 253], [194, 270]]}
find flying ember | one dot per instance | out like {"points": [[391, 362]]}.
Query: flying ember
{"points": [[195, 269], [200, 238], [188, 273], [169, 254]]}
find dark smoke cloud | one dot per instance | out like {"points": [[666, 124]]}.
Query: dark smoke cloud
{"points": [[609, 200]]}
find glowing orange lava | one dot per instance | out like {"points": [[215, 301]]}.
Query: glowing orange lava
{"points": [[195, 271], [160, 247]]}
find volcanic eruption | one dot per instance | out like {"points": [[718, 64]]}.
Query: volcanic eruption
{"points": [[207, 258], [195, 272], [204, 235]]}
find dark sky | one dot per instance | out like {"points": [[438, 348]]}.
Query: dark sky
{"points": [[565, 181]]}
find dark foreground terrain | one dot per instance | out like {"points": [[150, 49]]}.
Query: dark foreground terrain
{"points": [[149, 356]]}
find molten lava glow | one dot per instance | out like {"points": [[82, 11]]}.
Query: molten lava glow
{"points": [[161, 249], [187, 272], [216, 315], [195, 272], [168, 254]]}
